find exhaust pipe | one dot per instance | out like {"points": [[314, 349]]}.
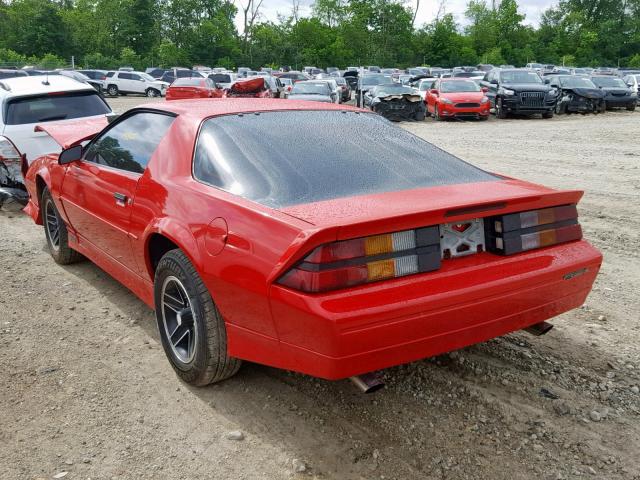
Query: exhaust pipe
{"points": [[368, 382], [539, 328]]}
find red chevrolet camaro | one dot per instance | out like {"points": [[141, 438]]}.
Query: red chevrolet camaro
{"points": [[256, 236], [457, 97]]}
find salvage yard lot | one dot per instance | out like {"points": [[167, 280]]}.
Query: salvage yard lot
{"points": [[86, 389]]}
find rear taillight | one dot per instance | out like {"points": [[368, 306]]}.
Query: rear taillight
{"points": [[8, 151], [519, 232], [363, 260]]}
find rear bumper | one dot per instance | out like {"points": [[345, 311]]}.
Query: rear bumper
{"points": [[469, 300]]}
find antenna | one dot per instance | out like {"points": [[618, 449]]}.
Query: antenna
{"points": [[46, 79]]}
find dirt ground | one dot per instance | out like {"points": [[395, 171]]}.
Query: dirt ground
{"points": [[86, 392]]}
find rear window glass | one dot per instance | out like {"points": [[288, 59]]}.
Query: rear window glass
{"points": [[46, 108], [220, 78], [287, 158]]}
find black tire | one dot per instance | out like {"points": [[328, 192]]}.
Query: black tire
{"points": [[631, 108], [483, 118], [436, 113], [560, 108], [500, 111], [152, 93], [420, 116], [56, 232], [548, 114], [208, 361], [112, 90]]}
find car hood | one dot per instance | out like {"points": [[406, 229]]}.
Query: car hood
{"points": [[526, 87], [429, 206], [457, 97], [411, 97], [616, 90], [586, 92], [313, 98], [52, 137]]}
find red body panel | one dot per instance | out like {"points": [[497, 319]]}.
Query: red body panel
{"points": [[68, 134], [240, 249]]}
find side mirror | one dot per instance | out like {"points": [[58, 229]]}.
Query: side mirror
{"points": [[434, 91], [484, 89], [70, 155]]}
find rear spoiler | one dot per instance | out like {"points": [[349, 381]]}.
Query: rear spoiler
{"points": [[68, 134]]}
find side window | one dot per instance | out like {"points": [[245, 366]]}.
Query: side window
{"points": [[129, 144], [135, 77], [110, 74], [124, 76]]}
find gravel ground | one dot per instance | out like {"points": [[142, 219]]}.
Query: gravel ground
{"points": [[86, 392]]}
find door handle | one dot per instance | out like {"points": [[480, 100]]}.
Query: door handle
{"points": [[121, 198]]}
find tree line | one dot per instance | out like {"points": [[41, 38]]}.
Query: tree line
{"points": [[165, 33]]}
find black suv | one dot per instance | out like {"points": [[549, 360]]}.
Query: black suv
{"points": [[519, 91]]}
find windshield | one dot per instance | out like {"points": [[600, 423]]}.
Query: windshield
{"points": [[451, 86], [47, 108], [375, 79], [147, 77], [424, 86], [311, 88], [576, 82], [520, 76], [253, 156], [608, 82]]}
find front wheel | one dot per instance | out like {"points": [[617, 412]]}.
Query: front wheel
{"points": [[152, 92], [548, 114], [191, 328], [436, 114], [500, 110], [56, 232], [420, 116], [631, 108], [560, 108]]}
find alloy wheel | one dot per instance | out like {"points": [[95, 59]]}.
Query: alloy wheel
{"points": [[179, 321], [53, 225]]}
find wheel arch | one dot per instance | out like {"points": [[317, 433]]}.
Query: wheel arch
{"points": [[165, 237]]}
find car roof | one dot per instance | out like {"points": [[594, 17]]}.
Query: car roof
{"points": [[35, 85], [199, 109]]}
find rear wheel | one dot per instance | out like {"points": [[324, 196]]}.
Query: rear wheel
{"points": [[55, 231], [112, 90], [191, 328]]}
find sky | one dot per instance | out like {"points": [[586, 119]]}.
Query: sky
{"points": [[533, 9]]}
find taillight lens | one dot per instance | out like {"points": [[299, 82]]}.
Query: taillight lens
{"points": [[362, 260], [8, 151], [519, 232]]}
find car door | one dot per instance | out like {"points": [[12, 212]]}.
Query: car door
{"points": [[137, 84], [98, 191], [491, 82], [124, 81]]}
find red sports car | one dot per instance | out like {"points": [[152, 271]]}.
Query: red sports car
{"points": [[455, 97], [185, 88], [250, 245]]}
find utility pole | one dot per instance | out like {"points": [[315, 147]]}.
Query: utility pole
{"points": [[73, 62]]}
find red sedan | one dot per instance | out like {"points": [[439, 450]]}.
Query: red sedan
{"points": [[185, 88], [250, 246], [454, 97]]}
